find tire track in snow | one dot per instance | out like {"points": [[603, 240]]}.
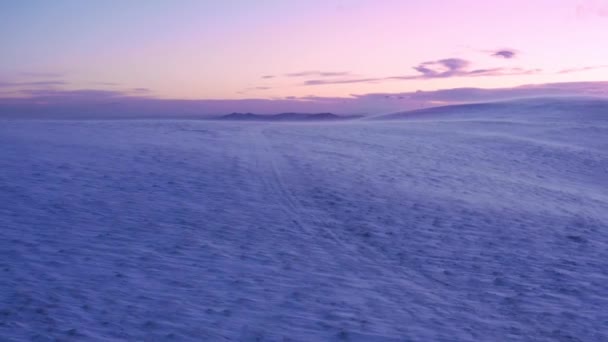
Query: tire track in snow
{"points": [[362, 254], [265, 157]]}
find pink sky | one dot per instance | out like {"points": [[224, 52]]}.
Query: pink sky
{"points": [[271, 49]]}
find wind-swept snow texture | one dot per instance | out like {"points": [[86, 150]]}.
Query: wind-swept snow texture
{"points": [[483, 228]]}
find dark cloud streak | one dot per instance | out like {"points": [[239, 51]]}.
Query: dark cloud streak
{"points": [[505, 53]]}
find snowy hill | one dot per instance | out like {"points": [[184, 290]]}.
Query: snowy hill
{"points": [[490, 227], [534, 109]]}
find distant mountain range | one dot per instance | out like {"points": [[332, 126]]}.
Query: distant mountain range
{"points": [[286, 117]]}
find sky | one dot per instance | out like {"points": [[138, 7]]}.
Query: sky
{"points": [[355, 56]]}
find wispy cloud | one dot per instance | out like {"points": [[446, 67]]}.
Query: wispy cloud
{"points": [[456, 67], [80, 94], [31, 84], [460, 95], [41, 74], [141, 90], [267, 77], [343, 81], [443, 68], [111, 84], [581, 69], [252, 89], [318, 74]]}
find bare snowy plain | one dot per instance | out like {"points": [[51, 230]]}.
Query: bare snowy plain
{"points": [[488, 224]]}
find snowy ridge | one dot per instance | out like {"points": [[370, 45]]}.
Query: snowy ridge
{"points": [[491, 225], [594, 108]]}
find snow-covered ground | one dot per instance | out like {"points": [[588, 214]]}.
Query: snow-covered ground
{"points": [[479, 229]]}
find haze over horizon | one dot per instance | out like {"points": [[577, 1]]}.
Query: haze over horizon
{"points": [[362, 56]]}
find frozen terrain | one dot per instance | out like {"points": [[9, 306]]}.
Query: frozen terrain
{"points": [[485, 227]]}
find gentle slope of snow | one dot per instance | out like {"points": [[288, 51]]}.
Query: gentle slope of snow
{"points": [[532, 109], [492, 229]]}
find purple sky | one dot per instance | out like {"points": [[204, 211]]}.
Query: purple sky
{"points": [[108, 57]]}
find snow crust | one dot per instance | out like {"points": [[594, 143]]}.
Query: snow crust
{"points": [[478, 229]]}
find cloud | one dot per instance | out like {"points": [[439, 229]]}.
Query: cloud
{"points": [[250, 89], [312, 73], [443, 68], [31, 84], [92, 103], [318, 74], [111, 84], [342, 81], [462, 95], [64, 96], [41, 74], [581, 69], [141, 90], [456, 67], [504, 53], [51, 87]]}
